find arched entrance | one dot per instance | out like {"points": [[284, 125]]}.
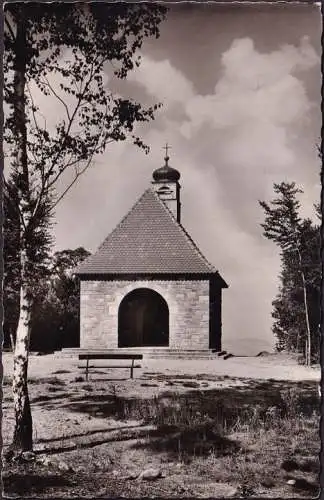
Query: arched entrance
{"points": [[143, 319]]}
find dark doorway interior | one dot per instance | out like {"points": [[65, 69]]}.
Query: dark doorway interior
{"points": [[143, 319]]}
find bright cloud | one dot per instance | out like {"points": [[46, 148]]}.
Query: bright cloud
{"points": [[230, 146], [162, 81], [257, 97]]}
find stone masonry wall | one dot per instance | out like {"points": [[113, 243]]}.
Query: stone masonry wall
{"points": [[188, 303]]}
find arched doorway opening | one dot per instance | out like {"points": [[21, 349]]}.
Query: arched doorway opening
{"points": [[143, 319]]}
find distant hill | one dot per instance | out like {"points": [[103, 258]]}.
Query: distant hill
{"points": [[247, 346]]}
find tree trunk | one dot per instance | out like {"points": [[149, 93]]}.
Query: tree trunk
{"points": [[308, 343], [12, 340], [23, 432], [22, 438]]}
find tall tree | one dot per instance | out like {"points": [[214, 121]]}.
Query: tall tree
{"points": [[288, 307], [39, 252], [56, 322], [296, 308], [62, 52]]}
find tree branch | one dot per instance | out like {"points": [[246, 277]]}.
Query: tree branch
{"points": [[77, 175], [54, 162], [10, 29], [14, 205], [47, 84]]}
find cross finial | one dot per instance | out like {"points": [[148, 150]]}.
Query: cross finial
{"points": [[166, 147]]}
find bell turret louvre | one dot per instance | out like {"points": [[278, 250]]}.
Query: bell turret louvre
{"points": [[166, 185]]}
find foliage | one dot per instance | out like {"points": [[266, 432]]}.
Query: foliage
{"points": [[297, 303], [55, 321], [66, 51], [39, 250]]}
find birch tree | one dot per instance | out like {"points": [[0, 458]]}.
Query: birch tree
{"points": [[40, 247], [62, 53]]}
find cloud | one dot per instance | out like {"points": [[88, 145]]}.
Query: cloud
{"points": [[230, 146], [255, 100], [258, 103], [162, 81]]}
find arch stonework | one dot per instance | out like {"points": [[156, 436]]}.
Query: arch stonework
{"points": [[188, 302], [143, 319], [124, 288]]}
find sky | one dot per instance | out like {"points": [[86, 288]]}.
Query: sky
{"points": [[240, 88]]}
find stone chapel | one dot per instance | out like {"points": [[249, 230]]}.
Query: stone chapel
{"points": [[148, 286]]}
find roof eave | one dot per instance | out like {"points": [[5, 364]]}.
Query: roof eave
{"points": [[151, 275]]}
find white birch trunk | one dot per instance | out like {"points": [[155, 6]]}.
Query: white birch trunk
{"points": [[308, 343], [23, 432], [12, 341], [22, 438]]}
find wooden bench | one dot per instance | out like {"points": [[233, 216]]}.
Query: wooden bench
{"points": [[88, 357]]}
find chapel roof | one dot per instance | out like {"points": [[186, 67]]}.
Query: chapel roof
{"points": [[148, 240]]}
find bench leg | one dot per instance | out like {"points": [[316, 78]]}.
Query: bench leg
{"points": [[87, 370], [132, 369]]}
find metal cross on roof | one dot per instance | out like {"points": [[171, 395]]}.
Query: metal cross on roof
{"points": [[167, 147]]}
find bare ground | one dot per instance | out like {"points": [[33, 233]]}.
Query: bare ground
{"points": [[243, 427]]}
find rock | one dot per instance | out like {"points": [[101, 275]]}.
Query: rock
{"points": [[291, 482], [268, 482], [64, 467], [132, 475], [28, 456], [263, 354], [150, 474], [41, 447], [45, 461], [244, 490]]}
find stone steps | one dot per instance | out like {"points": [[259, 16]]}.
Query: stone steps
{"points": [[155, 353]]}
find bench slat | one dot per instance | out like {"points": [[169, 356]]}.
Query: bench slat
{"points": [[111, 356], [109, 366]]}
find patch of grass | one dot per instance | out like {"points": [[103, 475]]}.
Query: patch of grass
{"points": [[42, 399], [186, 441], [6, 380], [79, 379], [31, 480], [53, 388], [254, 437], [46, 380], [191, 383], [87, 387]]}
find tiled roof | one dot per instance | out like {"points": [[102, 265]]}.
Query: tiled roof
{"points": [[147, 240]]}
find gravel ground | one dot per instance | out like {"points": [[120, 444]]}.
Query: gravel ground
{"points": [[73, 425], [278, 367]]}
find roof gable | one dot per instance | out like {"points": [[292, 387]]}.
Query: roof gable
{"points": [[147, 240]]}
